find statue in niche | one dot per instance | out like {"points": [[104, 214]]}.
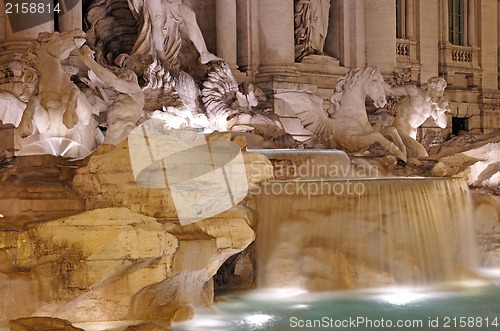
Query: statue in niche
{"points": [[311, 27], [417, 105], [159, 37], [124, 112]]}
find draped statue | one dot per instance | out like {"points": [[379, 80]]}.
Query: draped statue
{"points": [[311, 27], [161, 24]]}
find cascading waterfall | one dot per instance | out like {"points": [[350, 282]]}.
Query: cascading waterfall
{"points": [[346, 234]]}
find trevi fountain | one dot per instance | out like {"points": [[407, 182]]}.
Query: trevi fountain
{"points": [[247, 165]]}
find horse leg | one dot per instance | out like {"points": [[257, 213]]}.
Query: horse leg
{"points": [[83, 108], [393, 134], [364, 140], [34, 117], [69, 117]]}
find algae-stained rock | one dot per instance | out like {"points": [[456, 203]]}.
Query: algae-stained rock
{"points": [[127, 255], [148, 327], [42, 324], [95, 266]]}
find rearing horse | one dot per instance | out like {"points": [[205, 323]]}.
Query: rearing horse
{"points": [[59, 109], [345, 125]]}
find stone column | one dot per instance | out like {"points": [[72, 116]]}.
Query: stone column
{"points": [[380, 20], [429, 37], [444, 22], [357, 37], [471, 23], [277, 46], [409, 20], [226, 31], [70, 16], [489, 44]]}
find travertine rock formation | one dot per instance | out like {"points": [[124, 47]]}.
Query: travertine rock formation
{"points": [[108, 181], [127, 257], [479, 164], [42, 324], [114, 264], [487, 219]]}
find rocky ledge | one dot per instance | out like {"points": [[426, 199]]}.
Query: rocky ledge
{"points": [[126, 257]]}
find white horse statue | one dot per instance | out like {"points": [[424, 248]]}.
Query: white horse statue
{"points": [[345, 126], [59, 109]]}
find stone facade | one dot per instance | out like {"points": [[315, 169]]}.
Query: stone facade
{"points": [[364, 33], [260, 48]]}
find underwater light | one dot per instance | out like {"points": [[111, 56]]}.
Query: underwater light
{"points": [[258, 319], [301, 306], [403, 297], [205, 320]]}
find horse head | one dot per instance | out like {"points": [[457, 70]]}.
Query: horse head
{"points": [[60, 44], [353, 88], [374, 86]]}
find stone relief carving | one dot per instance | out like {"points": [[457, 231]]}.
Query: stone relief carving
{"points": [[12, 108], [345, 125], [417, 105], [311, 27], [14, 104]]}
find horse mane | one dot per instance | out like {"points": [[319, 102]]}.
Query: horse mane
{"points": [[43, 37], [347, 82]]}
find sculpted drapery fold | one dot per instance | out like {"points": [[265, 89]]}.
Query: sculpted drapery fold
{"points": [[161, 24], [311, 27], [159, 35]]}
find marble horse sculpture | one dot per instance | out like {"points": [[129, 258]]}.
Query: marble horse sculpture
{"points": [[345, 126], [59, 109]]}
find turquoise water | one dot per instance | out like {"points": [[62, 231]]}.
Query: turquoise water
{"points": [[464, 306]]}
